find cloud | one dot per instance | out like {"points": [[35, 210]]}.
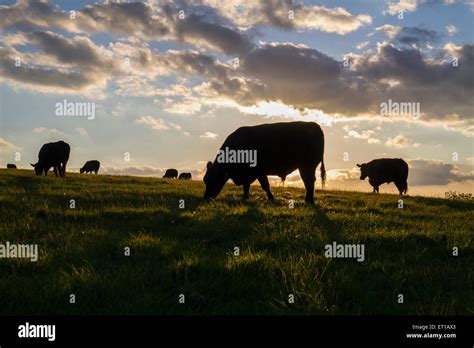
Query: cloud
{"points": [[61, 64], [6, 146], [402, 5], [81, 131], [424, 172], [400, 142], [158, 123], [411, 5], [443, 90], [390, 30], [186, 106], [300, 77], [133, 170], [120, 18], [409, 35], [451, 29], [147, 171], [153, 123], [362, 45], [288, 14], [209, 135], [51, 131], [365, 135], [196, 30]]}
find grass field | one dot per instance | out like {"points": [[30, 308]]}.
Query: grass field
{"points": [[190, 251]]}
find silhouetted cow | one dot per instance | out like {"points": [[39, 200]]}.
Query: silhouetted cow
{"points": [[53, 155], [278, 149], [11, 166], [90, 166], [171, 174], [386, 170], [184, 176]]}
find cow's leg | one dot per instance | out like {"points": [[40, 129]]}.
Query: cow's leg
{"points": [[263, 180], [55, 169], [405, 187], [308, 175], [63, 171], [400, 187], [246, 190]]}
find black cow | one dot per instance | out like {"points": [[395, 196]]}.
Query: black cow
{"points": [[90, 166], [184, 176], [280, 149], [171, 174], [386, 170], [53, 155], [11, 166]]}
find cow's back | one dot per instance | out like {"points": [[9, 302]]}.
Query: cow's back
{"points": [[53, 153], [389, 169], [281, 147], [92, 165]]}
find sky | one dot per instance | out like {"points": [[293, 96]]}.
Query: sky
{"points": [[169, 80]]}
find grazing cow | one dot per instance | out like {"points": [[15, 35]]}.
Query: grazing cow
{"points": [[277, 149], [386, 170], [11, 166], [171, 174], [185, 176], [90, 166], [53, 155]]}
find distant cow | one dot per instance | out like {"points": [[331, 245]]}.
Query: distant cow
{"points": [[90, 166], [53, 155], [11, 166], [171, 174], [386, 170], [185, 176], [276, 149]]}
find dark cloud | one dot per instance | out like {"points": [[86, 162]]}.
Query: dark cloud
{"points": [[289, 14], [63, 79], [79, 50], [418, 36], [193, 63], [306, 78], [295, 75], [425, 173], [218, 36], [441, 88], [133, 18], [31, 14]]}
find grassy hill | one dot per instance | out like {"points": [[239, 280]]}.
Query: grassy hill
{"points": [[190, 251]]}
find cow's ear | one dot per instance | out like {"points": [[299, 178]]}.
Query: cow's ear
{"points": [[358, 165], [32, 165], [209, 164]]}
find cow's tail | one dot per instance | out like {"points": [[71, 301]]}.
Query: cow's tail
{"points": [[323, 173]]}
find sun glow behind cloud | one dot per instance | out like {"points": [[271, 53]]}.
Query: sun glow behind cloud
{"points": [[279, 109]]}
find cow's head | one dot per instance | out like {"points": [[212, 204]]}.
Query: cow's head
{"points": [[82, 170], [364, 170], [38, 168], [214, 179]]}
